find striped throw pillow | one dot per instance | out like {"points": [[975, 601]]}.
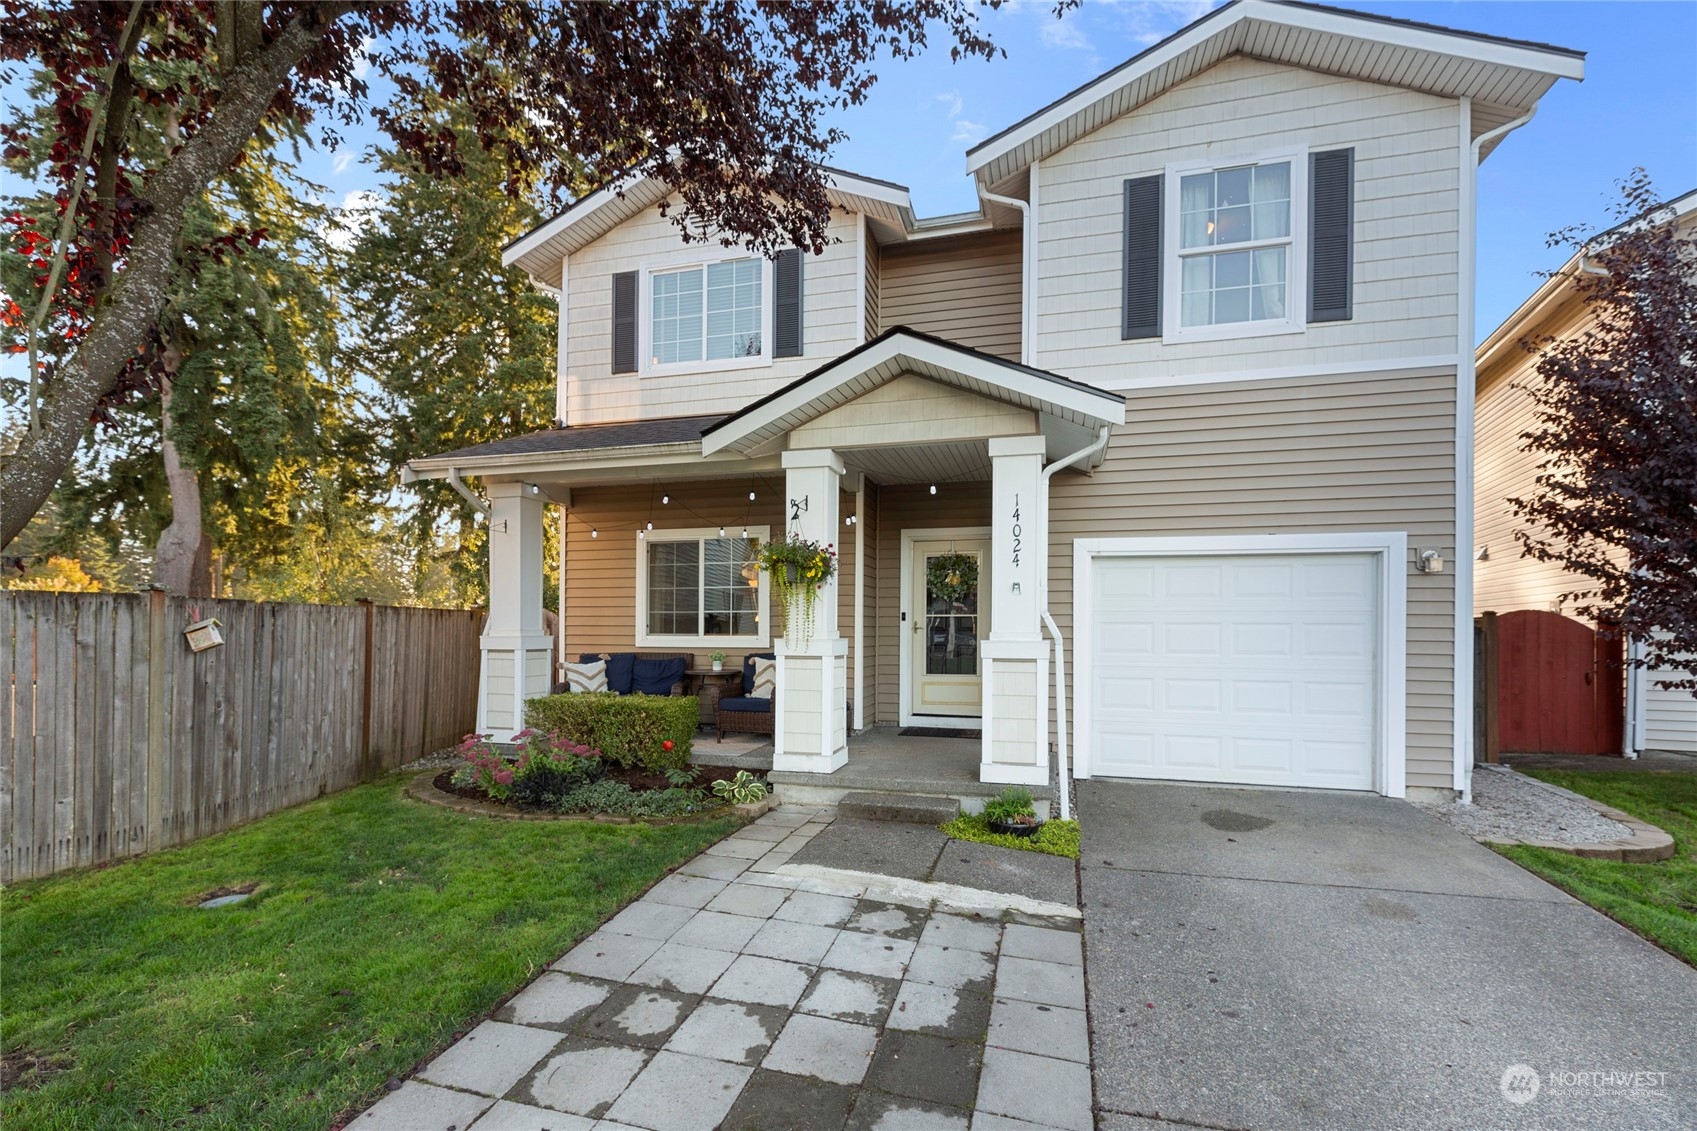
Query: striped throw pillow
{"points": [[765, 679], [586, 677]]}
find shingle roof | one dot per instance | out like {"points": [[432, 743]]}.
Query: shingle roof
{"points": [[592, 437]]}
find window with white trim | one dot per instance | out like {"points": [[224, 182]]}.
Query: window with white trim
{"points": [[1235, 245], [707, 312], [698, 588]]}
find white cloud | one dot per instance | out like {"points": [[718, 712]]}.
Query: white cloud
{"points": [[362, 59], [343, 160], [348, 219], [1064, 33], [1152, 22], [951, 99], [969, 133]]}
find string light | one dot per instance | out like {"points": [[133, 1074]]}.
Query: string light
{"points": [[650, 526], [933, 488], [594, 533], [641, 534], [664, 499], [721, 531], [751, 496]]}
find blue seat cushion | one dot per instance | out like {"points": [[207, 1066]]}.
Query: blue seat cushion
{"points": [[656, 677], [747, 706], [619, 669], [748, 668]]}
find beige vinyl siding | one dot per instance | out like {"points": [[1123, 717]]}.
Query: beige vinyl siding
{"points": [[911, 507], [1406, 221], [594, 395], [1670, 717], [912, 410], [1315, 455], [965, 289]]}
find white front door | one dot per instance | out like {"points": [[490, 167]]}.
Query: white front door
{"points": [[945, 622], [1256, 670]]}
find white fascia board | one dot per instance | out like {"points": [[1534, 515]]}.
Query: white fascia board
{"points": [[1106, 407], [871, 190], [519, 463], [1559, 64]]}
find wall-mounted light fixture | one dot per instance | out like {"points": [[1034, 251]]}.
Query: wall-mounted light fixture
{"points": [[1429, 561]]}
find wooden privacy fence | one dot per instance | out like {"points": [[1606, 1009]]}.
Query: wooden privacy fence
{"points": [[116, 739]]}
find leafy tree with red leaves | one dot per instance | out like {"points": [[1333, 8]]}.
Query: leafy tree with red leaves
{"points": [[1615, 497], [723, 101]]}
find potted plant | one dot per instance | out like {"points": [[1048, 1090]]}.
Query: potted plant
{"points": [[1011, 813], [799, 568], [718, 659]]}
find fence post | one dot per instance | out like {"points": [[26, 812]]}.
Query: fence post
{"points": [[365, 768], [155, 785], [1489, 745]]}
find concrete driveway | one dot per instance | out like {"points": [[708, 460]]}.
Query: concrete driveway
{"points": [[1287, 959]]}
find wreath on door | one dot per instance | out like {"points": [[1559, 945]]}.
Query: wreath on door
{"points": [[952, 576]]}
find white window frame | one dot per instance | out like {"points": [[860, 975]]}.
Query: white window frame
{"points": [[701, 258], [762, 604], [1295, 320]]}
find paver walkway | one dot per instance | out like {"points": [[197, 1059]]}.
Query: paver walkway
{"points": [[738, 995]]}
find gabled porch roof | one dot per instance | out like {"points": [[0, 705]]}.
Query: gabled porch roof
{"points": [[1070, 413]]}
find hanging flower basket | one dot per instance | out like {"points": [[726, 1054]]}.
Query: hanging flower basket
{"points": [[799, 568], [952, 576]]}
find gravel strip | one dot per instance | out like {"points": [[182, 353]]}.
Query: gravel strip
{"points": [[1510, 806]]}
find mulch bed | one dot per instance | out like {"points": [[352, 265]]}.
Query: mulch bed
{"points": [[637, 779]]}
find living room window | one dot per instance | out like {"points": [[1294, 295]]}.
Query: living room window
{"points": [[707, 315], [696, 588], [1234, 231]]}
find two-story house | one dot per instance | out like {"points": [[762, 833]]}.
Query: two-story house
{"points": [[1187, 401]]}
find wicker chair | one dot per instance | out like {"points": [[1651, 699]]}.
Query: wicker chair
{"points": [[745, 714]]}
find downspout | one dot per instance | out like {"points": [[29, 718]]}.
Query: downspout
{"points": [[1093, 448], [1466, 394], [458, 484], [1028, 258]]}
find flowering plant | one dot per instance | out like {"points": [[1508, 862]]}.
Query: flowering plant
{"points": [[800, 567], [545, 763]]}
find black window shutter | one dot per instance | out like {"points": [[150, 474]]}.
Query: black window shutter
{"points": [[624, 322], [1141, 316], [786, 304], [1331, 235]]}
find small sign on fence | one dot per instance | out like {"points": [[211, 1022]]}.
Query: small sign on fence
{"points": [[204, 634]]}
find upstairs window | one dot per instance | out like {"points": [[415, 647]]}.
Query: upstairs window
{"points": [[707, 312], [1235, 250]]}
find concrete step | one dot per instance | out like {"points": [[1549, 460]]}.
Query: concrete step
{"points": [[910, 808]]}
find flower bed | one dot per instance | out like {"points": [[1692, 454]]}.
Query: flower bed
{"points": [[550, 775]]}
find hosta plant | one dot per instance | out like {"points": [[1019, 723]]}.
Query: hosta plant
{"points": [[740, 790]]}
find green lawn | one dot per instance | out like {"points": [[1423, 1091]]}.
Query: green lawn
{"points": [[381, 927], [1659, 901]]}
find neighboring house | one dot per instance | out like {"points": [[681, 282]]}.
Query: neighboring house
{"points": [[1183, 390], [1504, 581]]}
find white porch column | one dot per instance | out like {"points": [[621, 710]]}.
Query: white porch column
{"points": [[812, 724], [516, 652], [1016, 657]]}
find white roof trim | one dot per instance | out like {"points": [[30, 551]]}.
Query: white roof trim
{"points": [[1102, 406], [1558, 64], [843, 184]]}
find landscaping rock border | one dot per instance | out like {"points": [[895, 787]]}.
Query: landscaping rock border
{"points": [[423, 788], [1646, 845]]}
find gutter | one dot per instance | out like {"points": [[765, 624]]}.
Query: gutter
{"points": [[1027, 264], [458, 484], [1063, 773]]}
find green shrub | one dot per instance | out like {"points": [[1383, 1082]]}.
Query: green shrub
{"points": [[1013, 801], [629, 730], [619, 798], [1057, 838]]}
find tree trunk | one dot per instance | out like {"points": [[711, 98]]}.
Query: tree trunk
{"points": [[122, 323], [182, 562]]}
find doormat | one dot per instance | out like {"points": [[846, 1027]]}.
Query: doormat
{"points": [[937, 732]]}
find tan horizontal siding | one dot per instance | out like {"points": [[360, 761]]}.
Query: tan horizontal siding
{"points": [[1315, 455], [966, 290]]}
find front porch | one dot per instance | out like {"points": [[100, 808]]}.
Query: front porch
{"points": [[925, 465], [880, 760]]}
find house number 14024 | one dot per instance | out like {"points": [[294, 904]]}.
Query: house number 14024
{"points": [[1016, 531]]}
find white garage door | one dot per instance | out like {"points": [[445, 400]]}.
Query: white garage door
{"points": [[1256, 669]]}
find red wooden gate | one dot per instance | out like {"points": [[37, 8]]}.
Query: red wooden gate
{"points": [[1560, 685]]}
